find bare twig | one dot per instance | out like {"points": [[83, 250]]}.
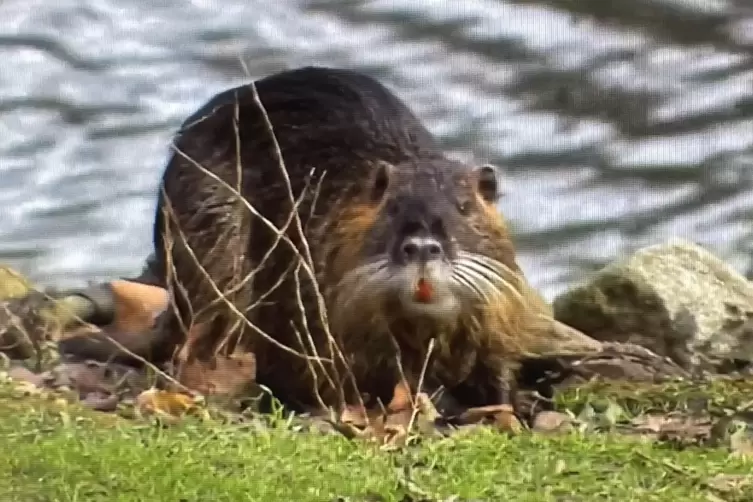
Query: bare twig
{"points": [[415, 403]]}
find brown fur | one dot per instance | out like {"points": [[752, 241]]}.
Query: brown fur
{"points": [[347, 127], [353, 222]]}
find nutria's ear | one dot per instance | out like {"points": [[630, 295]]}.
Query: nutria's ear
{"points": [[381, 179], [485, 177]]}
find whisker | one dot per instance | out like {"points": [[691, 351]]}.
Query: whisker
{"points": [[490, 277], [372, 265], [490, 264], [364, 271], [459, 277], [480, 269], [370, 276], [479, 281]]}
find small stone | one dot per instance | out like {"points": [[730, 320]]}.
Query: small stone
{"points": [[552, 421], [100, 401]]}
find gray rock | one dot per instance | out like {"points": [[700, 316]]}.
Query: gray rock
{"points": [[676, 299]]}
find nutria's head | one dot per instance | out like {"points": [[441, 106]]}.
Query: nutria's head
{"points": [[434, 247]]}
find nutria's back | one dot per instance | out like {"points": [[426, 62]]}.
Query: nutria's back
{"points": [[317, 114], [329, 118], [377, 187]]}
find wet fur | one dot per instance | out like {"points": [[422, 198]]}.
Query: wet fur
{"points": [[346, 126]]}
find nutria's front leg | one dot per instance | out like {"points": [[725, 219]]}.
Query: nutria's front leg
{"points": [[492, 382], [503, 404], [503, 388], [489, 394], [363, 381]]}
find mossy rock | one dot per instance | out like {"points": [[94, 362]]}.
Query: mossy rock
{"points": [[676, 299], [27, 317], [12, 284], [719, 396]]}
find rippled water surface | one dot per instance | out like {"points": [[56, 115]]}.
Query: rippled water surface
{"points": [[619, 125]]}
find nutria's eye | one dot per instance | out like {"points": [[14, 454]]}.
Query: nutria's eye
{"points": [[382, 174], [463, 206], [486, 183], [438, 228]]}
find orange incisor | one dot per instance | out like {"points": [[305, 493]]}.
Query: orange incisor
{"points": [[424, 291]]}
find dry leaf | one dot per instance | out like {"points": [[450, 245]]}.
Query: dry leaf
{"points": [[482, 413], [27, 388], [731, 482], [224, 375], [426, 408], [394, 436], [164, 403], [353, 422], [401, 398], [353, 427], [506, 421], [398, 420], [372, 425], [389, 430], [354, 415], [348, 430], [501, 416]]}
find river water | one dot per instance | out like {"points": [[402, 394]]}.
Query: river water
{"points": [[619, 123]]}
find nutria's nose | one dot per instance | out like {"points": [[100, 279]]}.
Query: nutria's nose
{"points": [[421, 249]]}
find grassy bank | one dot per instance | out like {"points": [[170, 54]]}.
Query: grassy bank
{"points": [[57, 452]]}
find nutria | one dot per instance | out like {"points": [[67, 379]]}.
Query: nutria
{"points": [[407, 245]]}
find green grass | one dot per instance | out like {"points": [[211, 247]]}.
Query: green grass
{"points": [[55, 452], [716, 397]]}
